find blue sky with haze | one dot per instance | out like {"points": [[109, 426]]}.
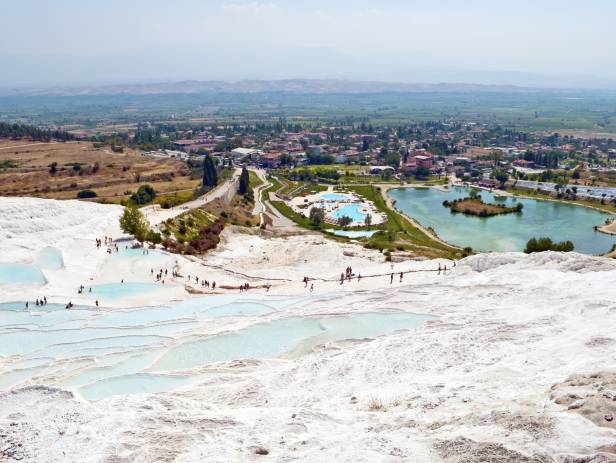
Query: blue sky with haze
{"points": [[521, 42]]}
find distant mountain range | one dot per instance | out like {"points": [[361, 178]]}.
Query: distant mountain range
{"points": [[319, 86]]}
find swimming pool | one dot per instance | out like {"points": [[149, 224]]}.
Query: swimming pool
{"points": [[335, 197], [21, 274], [350, 210]]}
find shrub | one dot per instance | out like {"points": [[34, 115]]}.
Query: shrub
{"points": [[154, 237], [86, 194], [546, 244], [144, 195]]}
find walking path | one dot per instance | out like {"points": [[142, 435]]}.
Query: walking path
{"points": [[226, 190]]}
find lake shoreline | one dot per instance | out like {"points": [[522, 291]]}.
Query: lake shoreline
{"points": [[417, 219]]}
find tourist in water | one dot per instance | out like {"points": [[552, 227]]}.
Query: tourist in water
{"points": [[391, 279], [45, 299], [213, 285], [401, 275], [439, 268], [96, 302], [311, 287]]}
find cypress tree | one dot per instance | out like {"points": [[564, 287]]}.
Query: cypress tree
{"points": [[210, 176], [244, 182]]}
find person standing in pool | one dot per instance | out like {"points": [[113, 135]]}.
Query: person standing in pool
{"points": [[391, 279], [96, 303]]}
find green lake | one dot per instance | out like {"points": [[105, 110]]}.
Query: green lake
{"points": [[508, 232]]}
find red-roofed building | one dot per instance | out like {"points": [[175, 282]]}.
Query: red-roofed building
{"points": [[270, 160]]}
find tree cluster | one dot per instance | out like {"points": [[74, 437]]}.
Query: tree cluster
{"points": [[28, 131], [145, 194], [546, 244]]}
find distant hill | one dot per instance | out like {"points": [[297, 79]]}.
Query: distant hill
{"points": [[321, 86]]}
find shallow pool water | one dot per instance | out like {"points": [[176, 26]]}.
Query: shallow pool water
{"points": [[272, 339], [151, 256], [50, 258], [102, 352], [353, 233], [21, 274], [508, 232], [140, 383], [116, 291]]}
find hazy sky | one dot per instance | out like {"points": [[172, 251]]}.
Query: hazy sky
{"points": [[96, 41]]}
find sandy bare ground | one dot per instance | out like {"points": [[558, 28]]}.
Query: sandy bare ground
{"points": [[112, 176]]}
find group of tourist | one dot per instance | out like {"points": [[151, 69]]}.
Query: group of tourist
{"points": [[38, 302], [204, 283], [108, 241], [348, 275]]}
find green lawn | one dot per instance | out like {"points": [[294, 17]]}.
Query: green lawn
{"points": [[253, 180]]}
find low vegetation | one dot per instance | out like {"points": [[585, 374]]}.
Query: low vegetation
{"points": [[85, 194], [186, 227], [207, 238]]}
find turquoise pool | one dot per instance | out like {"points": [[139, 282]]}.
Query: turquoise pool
{"points": [[21, 274], [152, 256], [115, 291], [509, 232], [337, 197], [100, 353], [350, 210], [50, 258], [267, 340]]}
